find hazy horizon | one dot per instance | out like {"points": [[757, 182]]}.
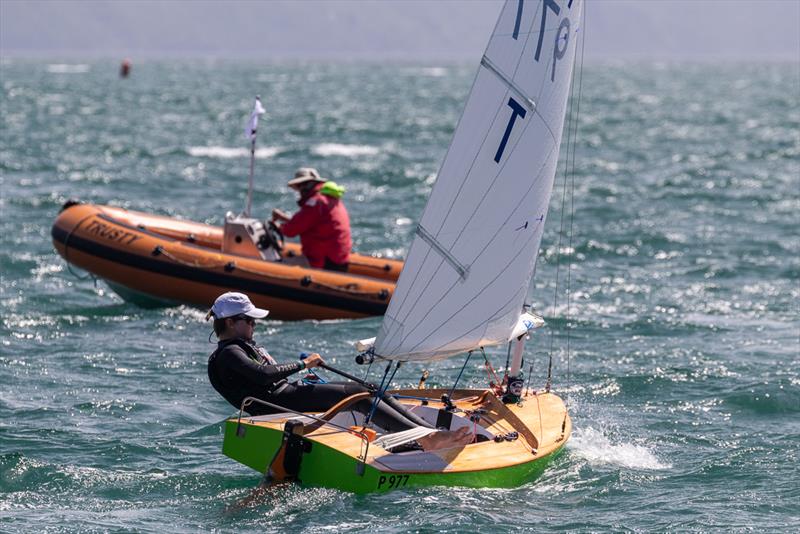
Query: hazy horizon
{"points": [[417, 30]]}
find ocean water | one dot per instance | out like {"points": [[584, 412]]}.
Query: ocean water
{"points": [[677, 349]]}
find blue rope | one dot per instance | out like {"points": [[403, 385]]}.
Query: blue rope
{"points": [[310, 382], [306, 381], [378, 394]]}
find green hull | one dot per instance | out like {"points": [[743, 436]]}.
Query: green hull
{"points": [[324, 466]]}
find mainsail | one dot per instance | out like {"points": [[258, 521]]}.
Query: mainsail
{"points": [[467, 273]]}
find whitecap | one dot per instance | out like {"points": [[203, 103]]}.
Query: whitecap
{"points": [[67, 68], [350, 151], [595, 447], [435, 72], [223, 152]]}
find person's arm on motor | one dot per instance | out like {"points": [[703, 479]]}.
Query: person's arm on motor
{"points": [[279, 215], [301, 222]]}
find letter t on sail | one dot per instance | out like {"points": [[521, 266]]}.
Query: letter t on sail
{"points": [[516, 110]]}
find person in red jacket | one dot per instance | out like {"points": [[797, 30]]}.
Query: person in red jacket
{"points": [[322, 221]]}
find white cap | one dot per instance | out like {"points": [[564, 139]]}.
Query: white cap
{"points": [[232, 303]]}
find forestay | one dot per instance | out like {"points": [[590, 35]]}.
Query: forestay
{"points": [[467, 272]]}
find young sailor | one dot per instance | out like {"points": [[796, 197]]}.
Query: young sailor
{"points": [[322, 222], [240, 368]]}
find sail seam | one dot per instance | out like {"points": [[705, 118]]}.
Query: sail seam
{"points": [[513, 213], [454, 263], [439, 248], [486, 62], [487, 286], [494, 316], [422, 320], [471, 166], [488, 189], [413, 286], [528, 35]]}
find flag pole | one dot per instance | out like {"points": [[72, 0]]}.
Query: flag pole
{"points": [[250, 182], [250, 131]]}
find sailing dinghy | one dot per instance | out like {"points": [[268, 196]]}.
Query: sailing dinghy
{"points": [[462, 288]]}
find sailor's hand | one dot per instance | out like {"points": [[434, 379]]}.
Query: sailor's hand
{"points": [[313, 360], [279, 215]]}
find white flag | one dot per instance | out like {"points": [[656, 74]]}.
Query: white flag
{"points": [[252, 124]]}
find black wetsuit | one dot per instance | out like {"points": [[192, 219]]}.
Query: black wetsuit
{"points": [[240, 369]]}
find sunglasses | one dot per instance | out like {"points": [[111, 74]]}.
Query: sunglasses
{"points": [[248, 320]]}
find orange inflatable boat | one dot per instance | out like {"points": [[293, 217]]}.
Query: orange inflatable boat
{"points": [[153, 260]]}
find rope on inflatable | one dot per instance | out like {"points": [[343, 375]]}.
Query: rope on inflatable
{"points": [[383, 294]]}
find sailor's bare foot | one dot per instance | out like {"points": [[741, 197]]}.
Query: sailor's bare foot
{"points": [[446, 439]]}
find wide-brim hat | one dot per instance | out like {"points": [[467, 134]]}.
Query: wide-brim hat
{"points": [[305, 174], [232, 303]]}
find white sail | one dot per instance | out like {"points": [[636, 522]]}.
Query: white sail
{"points": [[467, 272]]}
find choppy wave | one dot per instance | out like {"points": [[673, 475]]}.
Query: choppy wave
{"points": [[682, 378], [350, 151], [435, 71], [597, 448], [68, 68], [223, 152], [766, 399]]}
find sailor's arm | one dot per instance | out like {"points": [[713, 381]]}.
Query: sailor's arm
{"points": [[301, 222], [279, 215], [265, 374]]}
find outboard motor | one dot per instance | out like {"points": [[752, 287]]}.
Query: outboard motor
{"points": [[245, 236]]}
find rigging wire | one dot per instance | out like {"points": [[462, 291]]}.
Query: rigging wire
{"points": [[379, 393], [572, 188], [569, 178], [452, 390]]}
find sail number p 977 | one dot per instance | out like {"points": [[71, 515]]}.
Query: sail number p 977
{"points": [[393, 481]]}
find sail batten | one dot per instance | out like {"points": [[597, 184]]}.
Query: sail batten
{"points": [[435, 245], [467, 272], [486, 62]]}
